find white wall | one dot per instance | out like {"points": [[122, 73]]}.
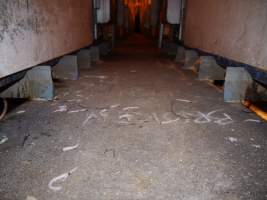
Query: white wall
{"points": [[35, 31]]}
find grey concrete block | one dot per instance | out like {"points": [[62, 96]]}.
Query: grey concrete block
{"points": [[237, 84], [67, 68], [180, 55], [36, 84], [191, 57], [256, 92], [169, 48], [105, 48], [95, 53], [261, 92], [210, 70], [84, 59]]}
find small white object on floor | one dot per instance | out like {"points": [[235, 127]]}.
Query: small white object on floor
{"points": [[170, 121], [31, 198], [155, 116], [3, 139], [89, 117], [131, 108], [232, 139], [98, 76], [71, 100], [104, 113], [256, 146], [115, 106], [128, 117], [253, 120], [60, 178], [70, 148], [66, 94], [61, 109], [77, 111], [184, 100], [21, 111]]}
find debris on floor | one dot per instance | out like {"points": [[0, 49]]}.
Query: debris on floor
{"points": [[31, 198], [128, 117], [56, 98], [77, 111], [61, 109], [97, 77], [246, 110], [60, 178], [70, 148], [184, 100], [170, 121], [155, 116], [112, 151], [89, 117], [256, 146], [21, 112], [71, 100], [131, 108], [3, 139], [232, 139], [115, 106], [104, 114], [26, 137], [66, 94], [253, 120]]}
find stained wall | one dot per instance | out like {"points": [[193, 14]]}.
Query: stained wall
{"points": [[236, 29], [35, 31]]}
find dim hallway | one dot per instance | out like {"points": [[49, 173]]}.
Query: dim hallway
{"points": [[135, 126]]}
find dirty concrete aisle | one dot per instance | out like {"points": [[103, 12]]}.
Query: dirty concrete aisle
{"points": [[135, 126]]}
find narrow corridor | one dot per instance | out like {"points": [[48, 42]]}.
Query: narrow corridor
{"points": [[135, 126]]}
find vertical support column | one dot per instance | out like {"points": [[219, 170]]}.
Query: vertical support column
{"points": [[154, 16], [161, 35], [113, 35], [120, 17]]}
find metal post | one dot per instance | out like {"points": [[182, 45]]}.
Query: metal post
{"points": [[161, 35]]}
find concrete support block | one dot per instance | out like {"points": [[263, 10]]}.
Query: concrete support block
{"points": [[210, 70], [191, 57], [257, 93], [261, 92], [36, 84], [95, 53], [84, 59], [169, 48], [180, 55], [67, 68], [105, 48], [237, 84]]}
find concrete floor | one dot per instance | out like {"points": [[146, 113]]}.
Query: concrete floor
{"points": [[133, 137]]}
